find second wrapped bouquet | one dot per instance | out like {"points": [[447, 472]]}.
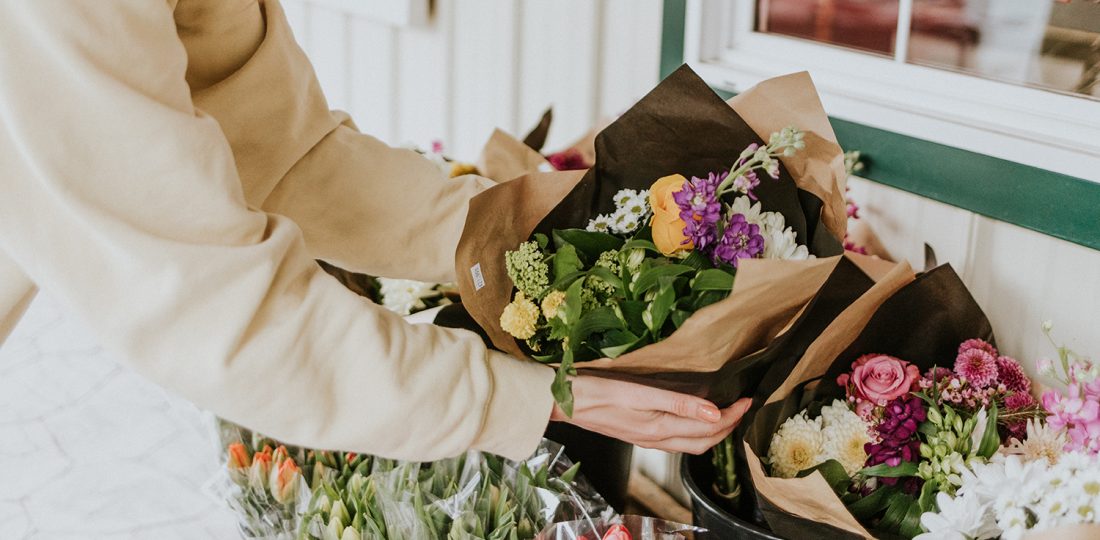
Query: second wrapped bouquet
{"points": [[627, 269]]}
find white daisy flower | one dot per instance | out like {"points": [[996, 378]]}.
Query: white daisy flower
{"points": [[1042, 442], [624, 196], [637, 205], [602, 223], [623, 221]]}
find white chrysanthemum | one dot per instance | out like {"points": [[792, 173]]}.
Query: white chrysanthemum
{"points": [[745, 207], [623, 197], [402, 296], [963, 517], [797, 446], [782, 244], [1042, 442], [602, 223], [845, 435]]}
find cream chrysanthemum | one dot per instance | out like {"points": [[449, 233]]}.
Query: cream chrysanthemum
{"points": [[519, 317], [797, 446], [845, 435], [402, 296], [1042, 442]]}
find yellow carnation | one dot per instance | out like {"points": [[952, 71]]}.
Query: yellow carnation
{"points": [[552, 304], [519, 317]]}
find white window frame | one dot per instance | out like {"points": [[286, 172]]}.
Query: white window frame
{"points": [[1035, 127]]}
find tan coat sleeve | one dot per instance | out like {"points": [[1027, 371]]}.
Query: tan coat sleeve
{"points": [[123, 200], [361, 204]]}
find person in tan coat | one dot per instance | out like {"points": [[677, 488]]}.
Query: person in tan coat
{"points": [[169, 170]]}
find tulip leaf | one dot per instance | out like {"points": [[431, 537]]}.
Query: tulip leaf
{"points": [[896, 511], [991, 439], [616, 343], [882, 470], [927, 500], [697, 261], [910, 523], [632, 313], [590, 244], [712, 279]]}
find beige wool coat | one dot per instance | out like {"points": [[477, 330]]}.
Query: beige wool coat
{"points": [[169, 170]]}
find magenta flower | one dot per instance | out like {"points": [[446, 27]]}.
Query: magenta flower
{"points": [[979, 344], [897, 433], [977, 366], [1019, 400], [570, 159], [700, 210], [741, 240], [1011, 374]]}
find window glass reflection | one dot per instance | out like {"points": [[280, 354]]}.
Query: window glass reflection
{"points": [[866, 25], [1053, 44]]}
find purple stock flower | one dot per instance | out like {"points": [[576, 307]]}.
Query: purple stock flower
{"points": [[740, 240], [746, 183], [700, 209], [898, 433]]}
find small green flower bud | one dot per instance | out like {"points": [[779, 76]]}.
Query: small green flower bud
{"points": [[935, 417]]}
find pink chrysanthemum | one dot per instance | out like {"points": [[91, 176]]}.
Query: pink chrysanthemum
{"points": [[1019, 400], [977, 366], [979, 344], [1012, 375]]}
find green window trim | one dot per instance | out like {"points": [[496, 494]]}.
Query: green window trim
{"points": [[1063, 206]]}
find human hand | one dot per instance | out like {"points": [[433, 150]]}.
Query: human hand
{"points": [[650, 417]]}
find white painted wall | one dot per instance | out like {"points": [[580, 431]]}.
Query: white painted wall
{"points": [[479, 64]]}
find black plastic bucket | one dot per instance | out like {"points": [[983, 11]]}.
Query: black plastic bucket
{"points": [[697, 474], [605, 462]]}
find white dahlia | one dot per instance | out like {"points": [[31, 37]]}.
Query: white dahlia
{"points": [[797, 446]]}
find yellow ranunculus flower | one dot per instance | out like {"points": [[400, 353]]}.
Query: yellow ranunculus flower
{"points": [[668, 228]]}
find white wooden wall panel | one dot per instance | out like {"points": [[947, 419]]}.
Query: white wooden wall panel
{"points": [[372, 71]]}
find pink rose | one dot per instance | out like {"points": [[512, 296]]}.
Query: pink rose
{"points": [[880, 378]]}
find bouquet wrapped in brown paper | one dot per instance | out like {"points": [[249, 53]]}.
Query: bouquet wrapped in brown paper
{"points": [[900, 338], [570, 268]]}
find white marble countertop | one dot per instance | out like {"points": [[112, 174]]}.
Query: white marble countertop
{"points": [[89, 449]]}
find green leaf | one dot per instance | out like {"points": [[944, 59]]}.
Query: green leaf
{"points": [[833, 473], [566, 261], [617, 343], [895, 513], [697, 261], [712, 279], [679, 316], [640, 244], [910, 523], [632, 312], [657, 311], [562, 389], [707, 298], [651, 276], [571, 473], [541, 240], [563, 282], [590, 244], [927, 500], [573, 304], [907, 468], [607, 276], [871, 505], [600, 319], [991, 439]]}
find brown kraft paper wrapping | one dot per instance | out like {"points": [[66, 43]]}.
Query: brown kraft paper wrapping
{"points": [[768, 295]]}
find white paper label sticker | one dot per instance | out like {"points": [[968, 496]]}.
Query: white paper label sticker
{"points": [[479, 280]]}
